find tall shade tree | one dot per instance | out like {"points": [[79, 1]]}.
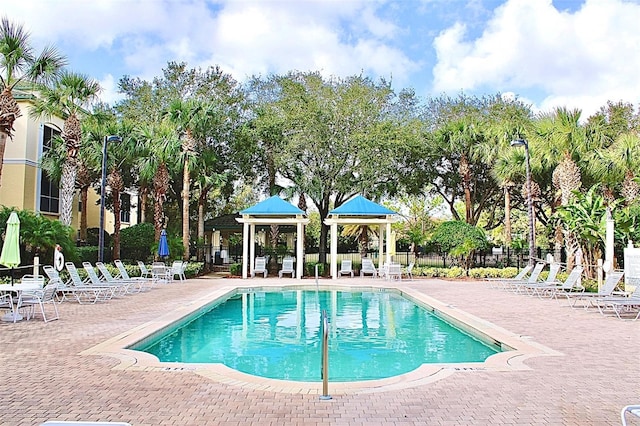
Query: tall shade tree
{"points": [[19, 64], [68, 98], [340, 139]]}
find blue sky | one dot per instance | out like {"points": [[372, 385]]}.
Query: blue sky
{"points": [[574, 53]]}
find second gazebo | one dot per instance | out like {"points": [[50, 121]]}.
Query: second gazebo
{"points": [[360, 211]]}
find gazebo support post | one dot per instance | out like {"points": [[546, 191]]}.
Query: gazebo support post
{"points": [[389, 242], [334, 251], [300, 250], [252, 247], [381, 259], [245, 249]]}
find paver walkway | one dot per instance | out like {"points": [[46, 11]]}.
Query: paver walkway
{"points": [[44, 376]]}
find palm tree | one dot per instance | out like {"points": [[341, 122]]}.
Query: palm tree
{"points": [[563, 140], [18, 63], [67, 98], [186, 114], [159, 147]]}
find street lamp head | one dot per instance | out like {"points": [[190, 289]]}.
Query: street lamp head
{"points": [[113, 138], [519, 142]]}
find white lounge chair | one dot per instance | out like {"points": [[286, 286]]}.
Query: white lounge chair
{"points": [[408, 271], [631, 409], [517, 285], [81, 290], [497, 282], [570, 286], [177, 269], [548, 285], [287, 267], [144, 272], [260, 267], [368, 268], [139, 282], [621, 304], [394, 272], [607, 289], [123, 286], [346, 268]]}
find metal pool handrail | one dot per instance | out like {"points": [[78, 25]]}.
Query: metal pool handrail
{"points": [[325, 357]]}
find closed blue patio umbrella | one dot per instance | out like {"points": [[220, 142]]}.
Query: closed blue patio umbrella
{"points": [[163, 246]]}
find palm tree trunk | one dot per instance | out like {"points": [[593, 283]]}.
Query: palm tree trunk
{"points": [[115, 182], [142, 202], [84, 191], [3, 145], [67, 189], [185, 208], [507, 216]]}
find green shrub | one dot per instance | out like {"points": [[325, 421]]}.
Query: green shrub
{"points": [[135, 242], [236, 269], [310, 269], [88, 254]]}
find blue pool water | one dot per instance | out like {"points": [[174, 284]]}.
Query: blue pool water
{"points": [[372, 335]]}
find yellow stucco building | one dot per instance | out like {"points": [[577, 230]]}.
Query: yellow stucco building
{"points": [[25, 186]]}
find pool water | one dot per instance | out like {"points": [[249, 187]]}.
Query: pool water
{"points": [[372, 335]]}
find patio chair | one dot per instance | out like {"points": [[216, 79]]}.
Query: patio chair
{"points": [[496, 282], [368, 268], [394, 272], [607, 289], [408, 271], [287, 267], [630, 409], [260, 267], [176, 269], [6, 304], [160, 273], [346, 268], [139, 282], [30, 299]]}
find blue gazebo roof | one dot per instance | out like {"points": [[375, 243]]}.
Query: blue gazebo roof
{"points": [[273, 206], [360, 206]]}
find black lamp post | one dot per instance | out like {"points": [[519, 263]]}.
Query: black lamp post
{"points": [[103, 183], [532, 242]]}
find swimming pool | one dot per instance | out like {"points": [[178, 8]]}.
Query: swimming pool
{"points": [[373, 334]]}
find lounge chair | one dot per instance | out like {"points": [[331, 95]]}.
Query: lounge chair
{"points": [[607, 289], [517, 285], [570, 286], [30, 299], [80, 288], [287, 267], [346, 268], [394, 272], [144, 272], [95, 281], [621, 304], [631, 409], [260, 267], [408, 271], [368, 268], [123, 286], [140, 282], [548, 285], [497, 282]]}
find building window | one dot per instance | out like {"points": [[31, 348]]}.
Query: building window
{"points": [[125, 208], [49, 191]]}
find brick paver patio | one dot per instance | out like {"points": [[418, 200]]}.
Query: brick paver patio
{"points": [[44, 376]]}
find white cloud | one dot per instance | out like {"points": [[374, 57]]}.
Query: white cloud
{"points": [[243, 37], [579, 59]]}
